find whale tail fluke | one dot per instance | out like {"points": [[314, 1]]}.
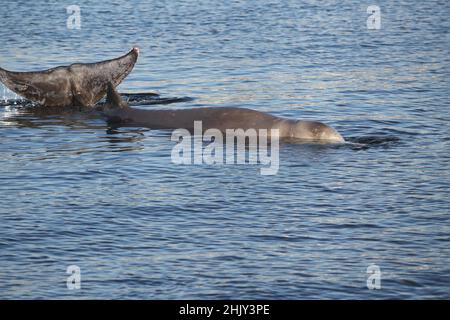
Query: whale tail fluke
{"points": [[5, 76], [79, 84], [2, 76]]}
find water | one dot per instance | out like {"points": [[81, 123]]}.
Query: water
{"points": [[75, 192]]}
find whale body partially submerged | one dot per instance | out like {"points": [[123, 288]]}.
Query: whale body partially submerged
{"points": [[79, 84], [120, 113]]}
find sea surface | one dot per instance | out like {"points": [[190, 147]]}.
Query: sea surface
{"points": [[75, 191]]}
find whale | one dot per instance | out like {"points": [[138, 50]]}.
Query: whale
{"points": [[75, 85], [119, 113]]}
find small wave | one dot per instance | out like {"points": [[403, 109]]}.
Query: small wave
{"points": [[133, 99], [366, 142]]}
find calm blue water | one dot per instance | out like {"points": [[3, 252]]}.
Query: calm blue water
{"points": [[138, 226]]}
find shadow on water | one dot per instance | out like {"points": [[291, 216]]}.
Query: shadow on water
{"points": [[36, 117]]}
